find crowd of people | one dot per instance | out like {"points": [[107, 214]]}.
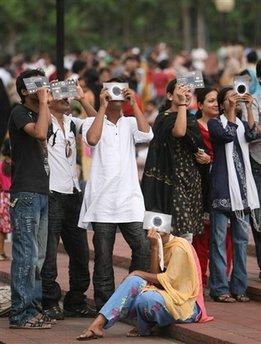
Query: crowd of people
{"points": [[94, 163]]}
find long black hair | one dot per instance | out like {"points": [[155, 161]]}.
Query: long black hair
{"points": [[222, 95], [169, 89], [201, 94]]}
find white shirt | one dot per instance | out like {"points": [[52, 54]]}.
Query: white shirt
{"points": [[63, 172], [5, 76], [113, 192]]}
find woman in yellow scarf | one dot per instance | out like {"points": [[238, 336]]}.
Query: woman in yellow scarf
{"points": [[156, 298]]}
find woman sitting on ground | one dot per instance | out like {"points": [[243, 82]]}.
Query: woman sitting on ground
{"points": [[157, 298]]}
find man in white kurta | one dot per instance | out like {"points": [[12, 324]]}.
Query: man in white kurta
{"points": [[113, 196]]}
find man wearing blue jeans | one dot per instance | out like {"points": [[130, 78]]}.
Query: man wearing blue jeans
{"points": [[28, 203]]}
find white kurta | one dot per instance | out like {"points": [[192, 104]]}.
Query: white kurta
{"points": [[113, 192]]}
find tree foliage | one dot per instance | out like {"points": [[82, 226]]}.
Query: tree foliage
{"points": [[28, 26]]}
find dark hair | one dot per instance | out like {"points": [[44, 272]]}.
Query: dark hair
{"points": [[131, 58], [222, 95], [20, 80], [120, 79], [163, 64], [201, 94], [252, 56], [258, 69], [104, 69], [78, 66], [90, 76], [169, 89]]}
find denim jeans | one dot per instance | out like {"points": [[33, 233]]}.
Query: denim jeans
{"points": [[256, 170], [148, 308], [64, 212], [218, 281], [103, 242], [29, 217]]}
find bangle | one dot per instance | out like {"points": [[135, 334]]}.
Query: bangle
{"points": [[182, 104]]}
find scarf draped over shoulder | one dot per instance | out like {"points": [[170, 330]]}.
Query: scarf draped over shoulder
{"points": [[181, 282]]}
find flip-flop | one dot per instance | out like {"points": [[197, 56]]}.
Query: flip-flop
{"points": [[94, 335]]}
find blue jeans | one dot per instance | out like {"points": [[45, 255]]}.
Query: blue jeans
{"points": [[148, 308], [256, 170], [29, 219], [218, 281]]}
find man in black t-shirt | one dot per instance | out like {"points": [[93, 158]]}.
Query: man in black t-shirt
{"points": [[28, 202]]}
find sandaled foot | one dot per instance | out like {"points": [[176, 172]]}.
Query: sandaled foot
{"points": [[133, 333], [90, 334], [54, 313], [241, 298], [225, 298], [33, 324]]}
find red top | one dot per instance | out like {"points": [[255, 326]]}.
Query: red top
{"points": [[205, 135], [5, 181], [160, 80], [127, 108]]}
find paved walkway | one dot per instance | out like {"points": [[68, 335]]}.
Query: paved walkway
{"points": [[65, 332]]}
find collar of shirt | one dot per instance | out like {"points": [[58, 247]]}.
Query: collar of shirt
{"points": [[107, 121]]}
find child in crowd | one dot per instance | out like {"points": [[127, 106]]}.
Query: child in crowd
{"points": [[5, 182]]}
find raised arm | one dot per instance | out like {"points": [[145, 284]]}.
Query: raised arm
{"points": [[40, 128], [94, 133], [180, 127], [154, 250], [248, 100], [88, 108], [151, 276]]}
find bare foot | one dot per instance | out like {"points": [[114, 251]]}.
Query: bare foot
{"points": [[133, 333], [90, 334]]}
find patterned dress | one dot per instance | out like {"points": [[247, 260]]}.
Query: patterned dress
{"points": [[187, 210], [171, 181], [5, 183]]}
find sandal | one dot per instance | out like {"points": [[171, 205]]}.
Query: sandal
{"points": [[48, 320], [33, 324], [92, 336], [241, 298], [225, 298]]}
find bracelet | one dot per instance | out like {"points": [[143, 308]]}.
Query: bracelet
{"points": [[182, 104]]}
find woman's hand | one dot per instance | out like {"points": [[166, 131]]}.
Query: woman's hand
{"points": [[180, 94], [202, 157], [153, 238], [248, 99], [233, 98]]}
